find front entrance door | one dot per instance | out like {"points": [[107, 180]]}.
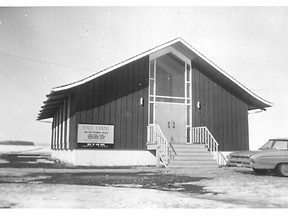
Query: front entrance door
{"points": [[170, 95], [172, 120]]}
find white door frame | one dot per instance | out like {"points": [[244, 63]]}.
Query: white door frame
{"points": [[186, 100]]}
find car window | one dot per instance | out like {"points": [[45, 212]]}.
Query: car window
{"points": [[280, 145], [267, 145]]}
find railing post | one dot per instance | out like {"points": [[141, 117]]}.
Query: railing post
{"points": [[158, 156], [203, 135], [164, 151], [217, 154], [149, 134]]}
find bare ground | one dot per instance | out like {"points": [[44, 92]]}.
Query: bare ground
{"points": [[30, 179]]}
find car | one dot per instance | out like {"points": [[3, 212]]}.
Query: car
{"points": [[273, 155]]}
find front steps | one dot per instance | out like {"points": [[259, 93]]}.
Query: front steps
{"points": [[193, 156]]}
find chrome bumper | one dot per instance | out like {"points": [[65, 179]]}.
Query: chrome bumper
{"points": [[238, 164]]}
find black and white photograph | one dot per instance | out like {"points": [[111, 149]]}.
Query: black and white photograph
{"points": [[151, 106]]}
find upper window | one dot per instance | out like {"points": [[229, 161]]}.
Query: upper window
{"points": [[280, 145], [267, 145], [170, 76]]}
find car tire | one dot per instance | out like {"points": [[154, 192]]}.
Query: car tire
{"points": [[282, 169], [260, 171]]}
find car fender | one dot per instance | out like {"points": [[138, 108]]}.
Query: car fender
{"points": [[268, 159]]}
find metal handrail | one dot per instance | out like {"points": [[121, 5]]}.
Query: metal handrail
{"points": [[156, 136], [171, 146], [202, 135], [223, 161]]}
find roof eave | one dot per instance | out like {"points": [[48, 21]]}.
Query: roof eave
{"points": [[58, 93], [170, 43]]}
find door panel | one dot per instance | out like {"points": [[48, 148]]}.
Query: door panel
{"points": [[172, 120]]}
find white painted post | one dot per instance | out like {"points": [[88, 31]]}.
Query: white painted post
{"points": [[158, 156]]}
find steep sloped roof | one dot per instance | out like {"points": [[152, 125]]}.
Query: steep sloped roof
{"points": [[58, 94]]}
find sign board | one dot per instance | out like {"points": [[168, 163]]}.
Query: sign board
{"points": [[95, 136]]}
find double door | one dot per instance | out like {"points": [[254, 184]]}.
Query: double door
{"points": [[172, 120]]}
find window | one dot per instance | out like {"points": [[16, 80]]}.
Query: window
{"points": [[170, 76], [267, 145], [280, 145]]}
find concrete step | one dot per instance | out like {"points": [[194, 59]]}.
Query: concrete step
{"points": [[193, 166], [180, 158], [194, 154], [176, 162], [191, 151], [190, 146]]}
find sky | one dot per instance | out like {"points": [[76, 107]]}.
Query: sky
{"points": [[45, 47]]}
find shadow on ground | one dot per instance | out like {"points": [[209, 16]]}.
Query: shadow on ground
{"points": [[251, 172], [156, 179]]}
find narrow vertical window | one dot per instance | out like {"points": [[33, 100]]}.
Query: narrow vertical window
{"points": [[151, 87], [188, 90], [188, 72], [188, 115], [151, 118], [188, 135], [152, 69]]}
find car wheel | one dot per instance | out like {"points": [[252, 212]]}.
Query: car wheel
{"points": [[282, 169], [260, 171]]}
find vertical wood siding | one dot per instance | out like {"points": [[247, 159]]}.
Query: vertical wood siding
{"points": [[114, 99], [73, 119], [224, 114], [53, 133], [60, 134]]}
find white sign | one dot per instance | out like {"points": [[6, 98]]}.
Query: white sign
{"points": [[88, 133]]}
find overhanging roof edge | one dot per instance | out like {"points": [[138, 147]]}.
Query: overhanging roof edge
{"points": [[269, 104], [109, 69], [208, 61]]}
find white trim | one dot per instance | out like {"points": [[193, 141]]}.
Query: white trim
{"points": [[57, 130], [53, 132], [166, 50], [62, 124], [189, 83], [169, 97], [224, 73], [185, 82], [60, 88], [153, 58], [255, 111], [68, 124], [161, 102]]}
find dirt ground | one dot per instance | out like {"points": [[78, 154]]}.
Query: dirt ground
{"points": [[30, 179]]}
